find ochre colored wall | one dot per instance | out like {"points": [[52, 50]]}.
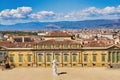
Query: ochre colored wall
{"points": [[25, 62], [98, 61], [78, 63]]}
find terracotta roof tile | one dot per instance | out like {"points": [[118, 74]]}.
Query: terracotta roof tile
{"points": [[59, 42], [96, 44], [17, 44], [57, 34]]}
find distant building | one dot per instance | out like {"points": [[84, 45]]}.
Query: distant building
{"points": [[2, 38], [58, 35], [41, 34], [110, 36], [22, 39]]}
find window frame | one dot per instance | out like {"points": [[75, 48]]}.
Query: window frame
{"points": [[103, 59], [85, 57], [20, 57], [29, 57], [94, 57]]}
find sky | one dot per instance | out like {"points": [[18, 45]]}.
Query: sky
{"points": [[23, 11]]}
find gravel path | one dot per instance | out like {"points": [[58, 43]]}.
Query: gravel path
{"points": [[64, 74]]}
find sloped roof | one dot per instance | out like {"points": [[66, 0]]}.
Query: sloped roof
{"points": [[8, 44], [57, 34], [59, 42], [96, 44]]}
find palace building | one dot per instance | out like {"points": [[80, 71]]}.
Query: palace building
{"points": [[67, 52]]}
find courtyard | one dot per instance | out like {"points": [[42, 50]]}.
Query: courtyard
{"points": [[85, 73]]}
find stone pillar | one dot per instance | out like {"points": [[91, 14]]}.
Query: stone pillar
{"points": [[62, 58], [35, 59], [71, 53]]}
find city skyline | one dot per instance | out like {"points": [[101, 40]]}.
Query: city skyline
{"points": [[16, 11]]}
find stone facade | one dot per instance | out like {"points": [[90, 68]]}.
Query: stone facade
{"points": [[60, 46], [68, 57]]}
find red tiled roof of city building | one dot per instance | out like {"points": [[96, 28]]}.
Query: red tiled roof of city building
{"points": [[17, 44], [59, 42], [96, 44], [57, 34]]}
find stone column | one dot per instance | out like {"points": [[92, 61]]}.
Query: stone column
{"points": [[35, 59], [62, 58]]}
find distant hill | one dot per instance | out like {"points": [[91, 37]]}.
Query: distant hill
{"points": [[64, 25]]}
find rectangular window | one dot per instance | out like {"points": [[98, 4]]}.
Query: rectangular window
{"points": [[103, 57], [109, 56], [48, 57], [40, 46], [57, 57], [74, 46], [48, 46], [11, 58], [39, 57], [20, 57], [56, 46], [113, 57], [65, 57], [74, 57], [65, 46], [29, 58], [94, 57], [85, 57]]}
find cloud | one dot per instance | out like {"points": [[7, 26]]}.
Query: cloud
{"points": [[93, 12], [18, 13], [25, 14], [42, 15]]}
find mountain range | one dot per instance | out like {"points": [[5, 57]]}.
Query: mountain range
{"points": [[101, 23]]}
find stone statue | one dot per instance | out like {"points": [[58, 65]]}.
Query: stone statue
{"points": [[54, 67]]}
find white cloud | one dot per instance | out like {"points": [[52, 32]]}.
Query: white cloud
{"points": [[93, 12], [42, 15], [25, 14], [20, 12]]}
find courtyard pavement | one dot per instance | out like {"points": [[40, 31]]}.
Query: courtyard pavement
{"points": [[64, 74]]}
